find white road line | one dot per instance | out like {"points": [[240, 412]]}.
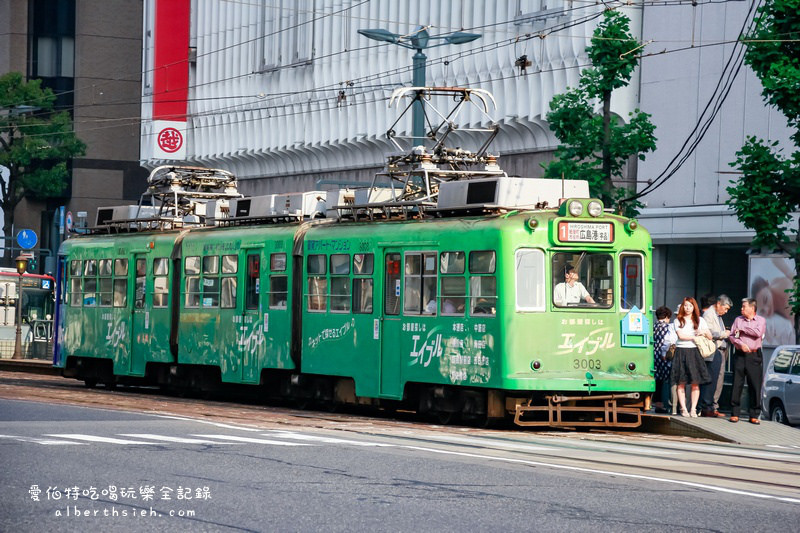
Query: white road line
{"points": [[166, 438], [251, 440], [42, 441], [319, 438], [610, 473], [490, 443], [94, 438], [215, 424]]}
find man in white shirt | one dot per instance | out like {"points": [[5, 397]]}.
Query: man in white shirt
{"points": [[571, 291]]}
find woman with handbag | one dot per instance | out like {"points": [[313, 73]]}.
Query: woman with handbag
{"points": [[688, 365]]}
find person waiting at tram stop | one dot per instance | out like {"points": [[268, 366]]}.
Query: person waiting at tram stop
{"points": [[571, 291], [747, 335], [688, 365], [661, 343], [710, 392]]}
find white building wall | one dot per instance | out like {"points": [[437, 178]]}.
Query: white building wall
{"points": [[263, 90], [675, 88]]}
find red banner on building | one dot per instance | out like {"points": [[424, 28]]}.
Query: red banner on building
{"points": [[171, 77]]}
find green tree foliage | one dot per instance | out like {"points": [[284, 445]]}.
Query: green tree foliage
{"points": [[768, 190], [35, 144], [596, 147]]}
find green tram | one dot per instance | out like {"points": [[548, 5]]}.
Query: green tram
{"points": [[450, 316]]}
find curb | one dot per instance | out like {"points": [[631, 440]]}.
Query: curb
{"points": [[30, 366]]}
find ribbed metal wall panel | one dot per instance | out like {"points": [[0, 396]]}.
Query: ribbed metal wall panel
{"points": [[265, 119]]}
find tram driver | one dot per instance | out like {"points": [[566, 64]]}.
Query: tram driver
{"points": [[571, 291]]}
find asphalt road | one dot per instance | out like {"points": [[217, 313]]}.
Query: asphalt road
{"points": [[120, 467]]}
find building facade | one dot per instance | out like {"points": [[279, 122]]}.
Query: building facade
{"points": [[89, 53]]}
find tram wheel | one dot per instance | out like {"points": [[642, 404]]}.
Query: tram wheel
{"points": [[90, 383]]}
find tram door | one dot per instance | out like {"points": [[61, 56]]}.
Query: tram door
{"points": [[140, 316], [250, 337], [391, 325]]}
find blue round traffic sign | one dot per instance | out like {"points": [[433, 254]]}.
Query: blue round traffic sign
{"points": [[27, 239]]}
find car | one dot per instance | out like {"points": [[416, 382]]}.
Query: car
{"points": [[780, 396]]}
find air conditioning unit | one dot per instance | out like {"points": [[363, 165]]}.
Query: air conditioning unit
{"points": [[508, 192], [108, 215]]}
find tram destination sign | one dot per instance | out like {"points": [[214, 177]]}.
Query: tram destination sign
{"points": [[585, 231]]}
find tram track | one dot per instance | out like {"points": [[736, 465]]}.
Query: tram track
{"points": [[695, 460]]}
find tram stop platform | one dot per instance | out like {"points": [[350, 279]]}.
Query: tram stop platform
{"points": [[31, 366], [766, 433]]}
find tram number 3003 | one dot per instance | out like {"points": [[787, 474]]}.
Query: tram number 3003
{"points": [[586, 364]]}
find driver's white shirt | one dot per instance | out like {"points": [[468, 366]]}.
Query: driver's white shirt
{"points": [[565, 293]]}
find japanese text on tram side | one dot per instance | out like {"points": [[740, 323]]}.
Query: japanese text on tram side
{"points": [[331, 333], [596, 340]]}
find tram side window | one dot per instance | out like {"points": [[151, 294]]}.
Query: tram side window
{"points": [[340, 282], [191, 270], [120, 282], [392, 286], [75, 271], [104, 282], [210, 281], [631, 291], [317, 282], [363, 266], [279, 283], [90, 283], [141, 283], [252, 281], [160, 282], [482, 283], [230, 267], [454, 285], [530, 274], [420, 283]]}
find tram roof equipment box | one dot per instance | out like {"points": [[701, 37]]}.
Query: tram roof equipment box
{"points": [[508, 192]]}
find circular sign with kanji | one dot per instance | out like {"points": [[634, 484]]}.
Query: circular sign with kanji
{"points": [[170, 140]]}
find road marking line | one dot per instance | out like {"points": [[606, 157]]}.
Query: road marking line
{"points": [[326, 440], [216, 424], [166, 438], [94, 438], [490, 443], [251, 440], [42, 441], [609, 473]]}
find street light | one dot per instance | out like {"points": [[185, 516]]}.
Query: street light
{"points": [[419, 40], [22, 266]]}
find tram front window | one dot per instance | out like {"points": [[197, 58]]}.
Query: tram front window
{"points": [[583, 279]]}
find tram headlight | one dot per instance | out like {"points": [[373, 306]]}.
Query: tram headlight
{"points": [[631, 366], [595, 208], [575, 208], [536, 365]]}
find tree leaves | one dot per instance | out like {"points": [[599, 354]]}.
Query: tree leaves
{"points": [[594, 149], [35, 143]]}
